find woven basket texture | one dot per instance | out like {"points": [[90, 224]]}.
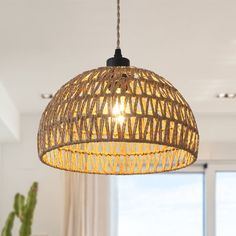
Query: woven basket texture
{"points": [[118, 120]]}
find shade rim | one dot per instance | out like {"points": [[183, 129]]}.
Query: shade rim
{"points": [[118, 173], [179, 147]]}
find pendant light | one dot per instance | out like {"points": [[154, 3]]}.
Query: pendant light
{"points": [[118, 120]]}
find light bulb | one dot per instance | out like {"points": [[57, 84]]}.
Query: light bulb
{"points": [[118, 111], [120, 119]]}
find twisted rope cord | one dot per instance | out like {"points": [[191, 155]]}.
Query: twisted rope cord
{"points": [[118, 25]]}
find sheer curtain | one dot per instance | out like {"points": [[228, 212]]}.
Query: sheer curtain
{"points": [[88, 205]]}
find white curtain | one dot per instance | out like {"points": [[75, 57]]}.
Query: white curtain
{"points": [[87, 205]]}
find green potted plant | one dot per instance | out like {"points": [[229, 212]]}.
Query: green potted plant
{"points": [[24, 211]]}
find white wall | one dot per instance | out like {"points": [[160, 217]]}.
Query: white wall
{"points": [[20, 167], [9, 117], [1, 181]]}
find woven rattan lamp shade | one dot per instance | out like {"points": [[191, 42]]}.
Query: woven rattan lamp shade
{"points": [[118, 120]]}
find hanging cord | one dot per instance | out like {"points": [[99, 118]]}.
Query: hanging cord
{"points": [[118, 25], [118, 59]]}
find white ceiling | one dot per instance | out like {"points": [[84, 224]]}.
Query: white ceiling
{"points": [[192, 43]]}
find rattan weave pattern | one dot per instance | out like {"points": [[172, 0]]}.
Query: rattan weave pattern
{"points": [[118, 120]]}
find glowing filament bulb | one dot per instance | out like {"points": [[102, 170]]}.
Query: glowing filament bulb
{"points": [[118, 111], [120, 119]]}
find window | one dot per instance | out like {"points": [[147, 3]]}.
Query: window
{"points": [[161, 204], [225, 203]]}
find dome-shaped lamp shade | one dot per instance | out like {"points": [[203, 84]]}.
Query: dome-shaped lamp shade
{"points": [[118, 120]]}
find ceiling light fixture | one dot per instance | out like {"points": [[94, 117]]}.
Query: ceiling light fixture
{"points": [[46, 95], [118, 120], [226, 95]]}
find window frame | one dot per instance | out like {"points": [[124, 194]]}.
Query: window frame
{"points": [[209, 169], [210, 198], [196, 168]]}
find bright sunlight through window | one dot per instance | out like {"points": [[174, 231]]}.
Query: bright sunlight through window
{"points": [[163, 204], [225, 203]]}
